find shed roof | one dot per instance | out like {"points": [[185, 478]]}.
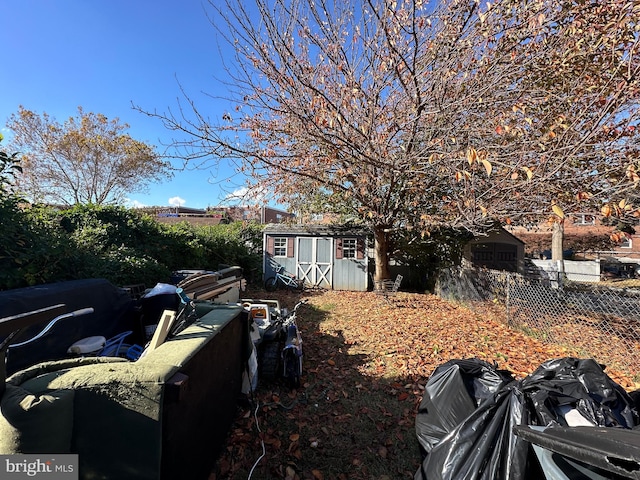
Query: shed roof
{"points": [[315, 229], [492, 235]]}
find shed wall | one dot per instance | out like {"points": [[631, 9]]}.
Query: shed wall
{"points": [[315, 259]]}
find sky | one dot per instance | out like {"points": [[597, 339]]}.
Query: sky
{"points": [[105, 55]]}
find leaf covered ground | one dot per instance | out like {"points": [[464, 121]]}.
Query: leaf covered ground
{"points": [[366, 362]]}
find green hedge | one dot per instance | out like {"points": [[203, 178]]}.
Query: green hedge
{"points": [[42, 245]]}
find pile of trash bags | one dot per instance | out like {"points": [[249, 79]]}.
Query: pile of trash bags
{"points": [[568, 419]]}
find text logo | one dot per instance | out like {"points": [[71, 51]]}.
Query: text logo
{"points": [[39, 466]]}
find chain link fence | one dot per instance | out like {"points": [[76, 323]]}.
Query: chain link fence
{"points": [[598, 322]]}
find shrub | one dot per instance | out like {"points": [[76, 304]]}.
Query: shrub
{"points": [[43, 245], [31, 251]]}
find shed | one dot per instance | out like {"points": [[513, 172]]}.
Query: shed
{"points": [[497, 250], [325, 256]]}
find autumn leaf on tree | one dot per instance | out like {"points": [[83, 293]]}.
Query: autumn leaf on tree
{"points": [[379, 112], [88, 159]]}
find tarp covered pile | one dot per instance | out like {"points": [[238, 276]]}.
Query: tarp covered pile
{"points": [[465, 423]]}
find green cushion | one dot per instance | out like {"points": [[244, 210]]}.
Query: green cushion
{"points": [[35, 423]]}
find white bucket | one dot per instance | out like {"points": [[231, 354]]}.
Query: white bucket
{"points": [[87, 345]]}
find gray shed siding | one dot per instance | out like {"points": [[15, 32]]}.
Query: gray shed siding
{"points": [[317, 257]]}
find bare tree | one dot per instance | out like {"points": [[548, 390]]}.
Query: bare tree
{"points": [[87, 159], [413, 114]]}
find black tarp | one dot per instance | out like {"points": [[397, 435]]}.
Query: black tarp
{"points": [[113, 314], [466, 420]]}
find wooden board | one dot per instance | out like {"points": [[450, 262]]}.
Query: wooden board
{"points": [[162, 330]]}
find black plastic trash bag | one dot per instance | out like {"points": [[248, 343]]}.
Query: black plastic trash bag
{"points": [[483, 446], [635, 396], [452, 393], [571, 386], [465, 420], [585, 453]]}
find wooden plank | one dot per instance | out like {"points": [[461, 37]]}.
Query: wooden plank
{"points": [[162, 330], [204, 288]]}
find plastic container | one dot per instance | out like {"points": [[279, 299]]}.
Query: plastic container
{"points": [[88, 345]]}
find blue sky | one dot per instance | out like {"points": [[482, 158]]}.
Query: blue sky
{"points": [[104, 55]]}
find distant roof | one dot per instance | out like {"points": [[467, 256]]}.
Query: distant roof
{"points": [[169, 209]]}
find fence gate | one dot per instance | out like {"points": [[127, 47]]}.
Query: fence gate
{"points": [[314, 261]]}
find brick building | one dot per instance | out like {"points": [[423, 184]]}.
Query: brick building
{"points": [[585, 235], [218, 215]]}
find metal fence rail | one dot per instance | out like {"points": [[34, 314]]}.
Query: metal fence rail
{"points": [[599, 322]]}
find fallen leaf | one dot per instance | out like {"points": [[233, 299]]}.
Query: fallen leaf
{"points": [[291, 473], [382, 451]]}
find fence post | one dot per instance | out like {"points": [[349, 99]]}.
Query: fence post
{"points": [[507, 299], [560, 274]]}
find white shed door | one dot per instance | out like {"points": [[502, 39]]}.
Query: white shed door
{"points": [[314, 261]]}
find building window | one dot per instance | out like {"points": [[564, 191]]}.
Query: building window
{"points": [[280, 247], [349, 248], [626, 243], [584, 219]]}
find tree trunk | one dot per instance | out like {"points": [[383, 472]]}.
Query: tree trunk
{"points": [[381, 253]]}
